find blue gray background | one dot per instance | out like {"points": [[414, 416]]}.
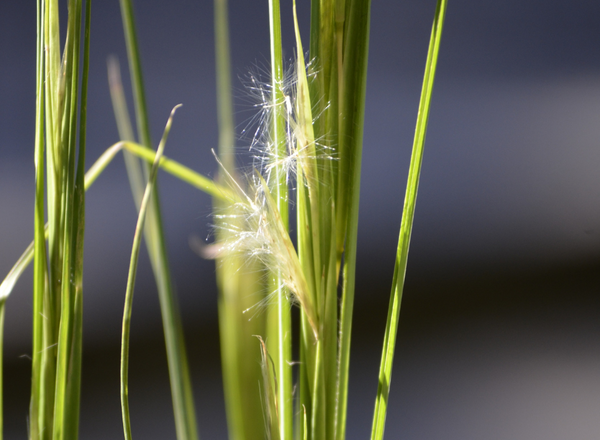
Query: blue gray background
{"points": [[500, 322]]}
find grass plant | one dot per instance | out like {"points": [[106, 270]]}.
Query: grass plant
{"points": [[309, 147], [58, 268]]}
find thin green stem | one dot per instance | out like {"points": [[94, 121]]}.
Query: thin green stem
{"points": [[223, 76], [279, 330], [66, 409], [135, 68], [73, 384], [36, 412], [389, 344], [182, 172], [133, 263], [181, 387], [135, 171]]}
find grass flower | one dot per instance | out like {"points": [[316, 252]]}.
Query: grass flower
{"points": [[255, 229]]}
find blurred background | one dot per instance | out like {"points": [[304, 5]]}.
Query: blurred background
{"points": [[501, 317]]}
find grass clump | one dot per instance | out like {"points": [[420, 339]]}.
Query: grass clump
{"points": [[309, 153], [58, 266]]}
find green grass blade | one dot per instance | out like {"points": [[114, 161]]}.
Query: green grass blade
{"points": [[135, 68], [68, 376], [279, 324], [52, 412], [174, 168], [356, 48], [181, 387], [36, 411], [314, 217], [133, 263], [184, 173], [385, 373], [76, 271]]}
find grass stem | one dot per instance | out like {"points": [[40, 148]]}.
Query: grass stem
{"points": [[279, 325], [181, 387], [389, 344], [133, 263]]}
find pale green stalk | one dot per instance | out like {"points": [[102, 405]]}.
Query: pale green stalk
{"points": [[311, 194], [223, 77], [389, 344], [184, 173], [339, 49], [37, 412], [133, 263], [73, 383], [181, 387], [44, 316], [279, 324], [68, 378], [238, 280]]}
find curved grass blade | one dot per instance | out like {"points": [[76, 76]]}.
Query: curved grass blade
{"points": [[174, 168], [389, 344], [184, 173], [137, 241], [179, 375]]}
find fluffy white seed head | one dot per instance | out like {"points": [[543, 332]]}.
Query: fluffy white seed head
{"points": [[253, 227]]}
